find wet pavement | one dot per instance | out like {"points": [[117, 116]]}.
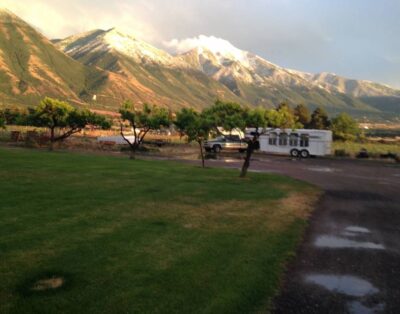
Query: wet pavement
{"points": [[349, 261]]}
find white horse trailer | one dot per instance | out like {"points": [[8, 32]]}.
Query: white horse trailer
{"points": [[297, 143]]}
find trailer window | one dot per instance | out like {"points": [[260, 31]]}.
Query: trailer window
{"points": [[304, 140], [294, 140], [272, 139], [283, 139]]}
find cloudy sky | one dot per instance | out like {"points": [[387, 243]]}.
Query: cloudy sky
{"points": [[353, 38]]}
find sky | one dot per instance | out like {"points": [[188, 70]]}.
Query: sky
{"points": [[353, 38]]}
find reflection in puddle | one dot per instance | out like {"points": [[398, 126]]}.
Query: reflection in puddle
{"points": [[349, 234], [349, 285], [357, 229], [336, 242], [321, 169], [359, 308]]}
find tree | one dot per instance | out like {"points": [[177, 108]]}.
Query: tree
{"points": [[282, 117], [303, 115], [232, 116], [10, 116], [58, 115], [227, 115], [255, 118], [196, 127], [344, 127], [319, 119], [2, 122], [142, 121]]}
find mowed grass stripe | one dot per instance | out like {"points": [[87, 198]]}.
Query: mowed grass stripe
{"points": [[143, 236]]}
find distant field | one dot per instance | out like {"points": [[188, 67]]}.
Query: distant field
{"points": [[374, 148], [383, 132], [124, 236]]}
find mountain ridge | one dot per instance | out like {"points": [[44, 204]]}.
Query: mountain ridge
{"points": [[103, 68]]}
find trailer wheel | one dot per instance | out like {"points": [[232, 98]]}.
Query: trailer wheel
{"points": [[294, 153], [216, 148], [304, 154]]}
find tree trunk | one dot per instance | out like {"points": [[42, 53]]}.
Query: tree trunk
{"points": [[202, 154], [52, 136], [132, 154], [249, 153]]}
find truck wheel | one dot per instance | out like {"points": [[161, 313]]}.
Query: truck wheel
{"points": [[294, 153], [216, 148], [304, 154]]}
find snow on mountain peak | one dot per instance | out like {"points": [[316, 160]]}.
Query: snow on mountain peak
{"points": [[129, 45], [221, 48], [116, 40]]}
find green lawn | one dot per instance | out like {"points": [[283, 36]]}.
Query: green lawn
{"points": [[142, 236]]}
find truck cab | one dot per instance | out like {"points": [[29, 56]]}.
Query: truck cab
{"points": [[225, 143]]}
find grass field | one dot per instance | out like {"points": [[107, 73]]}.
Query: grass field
{"points": [[142, 236], [353, 148]]}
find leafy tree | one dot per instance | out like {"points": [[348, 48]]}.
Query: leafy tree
{"points": [[303, 115], [11, 116], [285, 106], [319, 119], [227, 115], [2, 121], [282, 117], [196, 127], [256, 119], [344, 127], [58, 115], [142, 121]]}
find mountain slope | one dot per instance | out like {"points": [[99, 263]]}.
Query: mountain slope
{"points": [[102, 69], [264, 83], [356, 88], [143, 72], [31, 67]]}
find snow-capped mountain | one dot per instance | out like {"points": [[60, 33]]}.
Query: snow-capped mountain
{"points": [[220, 59], [115, 66], [114, 40], [223, 61], [144, 73], [356, 88], [255, 79]]}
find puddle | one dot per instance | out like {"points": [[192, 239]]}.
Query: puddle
{"points": [[346, 284], [339, 243], [349, 234], [356, 307], [357, 229], [321, 169]]}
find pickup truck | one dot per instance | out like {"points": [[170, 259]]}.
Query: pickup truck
{"points": [[226, 143]]}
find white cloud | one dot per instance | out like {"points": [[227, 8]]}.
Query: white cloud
{"points": [[218, 46]]}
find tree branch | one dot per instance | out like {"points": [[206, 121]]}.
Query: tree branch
{"points": [[144, 133], [132, 146], [67, 134]]}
